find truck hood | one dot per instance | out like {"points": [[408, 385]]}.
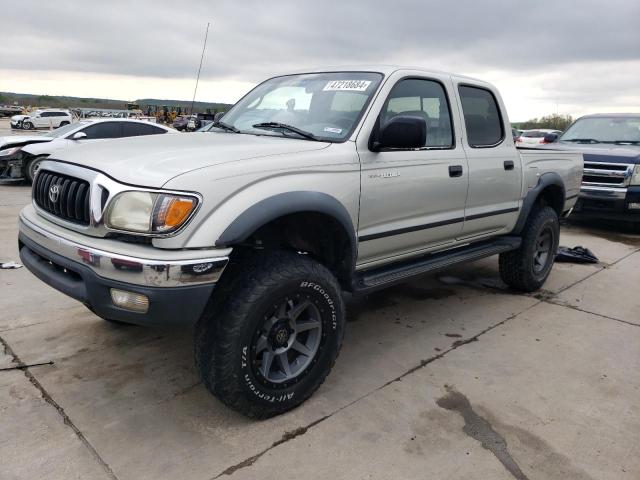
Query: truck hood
{"points": [[16, 140], [153, 160], [602, 152]]}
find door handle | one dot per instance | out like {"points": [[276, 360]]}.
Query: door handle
{"points": [[508, 164], [455, 171]]}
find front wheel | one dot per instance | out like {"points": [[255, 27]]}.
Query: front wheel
{"points": [[31, 168], [27, 126], [271, 338], [527, 268]]}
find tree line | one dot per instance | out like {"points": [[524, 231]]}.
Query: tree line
{"points": [[553, 121]]}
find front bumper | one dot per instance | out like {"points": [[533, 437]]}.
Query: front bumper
{"points": [[11, 169], [613, 203], [177, 289]]}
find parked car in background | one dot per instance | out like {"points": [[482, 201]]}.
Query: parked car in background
{"points": [[535, 137], [10, 110], [49, 118], [16, 120], [515, 133], [610, 143], [20, 157], [180, 123], [313, 184]]}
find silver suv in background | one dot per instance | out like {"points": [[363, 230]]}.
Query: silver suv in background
{"points": [[312, 184]]}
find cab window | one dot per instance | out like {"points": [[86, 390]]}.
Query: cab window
{"points": [[481, 117], [426, 99]]}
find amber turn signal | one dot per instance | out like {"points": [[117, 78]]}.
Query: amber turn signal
{"points": [[172, 211]]}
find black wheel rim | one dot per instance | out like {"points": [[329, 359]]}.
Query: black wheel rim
{"points": [[287, 340], [543, 250]]}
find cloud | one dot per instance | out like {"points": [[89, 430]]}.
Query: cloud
{"points": [[251, 40]]}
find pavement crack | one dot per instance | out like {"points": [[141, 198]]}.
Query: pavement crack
{"points": [[481, 430], [22, 367], [287, 436], [573, 307], [49, 399]]}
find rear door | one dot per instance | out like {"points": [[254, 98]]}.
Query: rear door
{"points": [[411, 200], [495, 169]]}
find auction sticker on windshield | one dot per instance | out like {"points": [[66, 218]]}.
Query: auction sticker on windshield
{"points": [[352, 85]]}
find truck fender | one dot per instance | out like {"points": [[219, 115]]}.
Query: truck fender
{"points": [[545, 180], [282, 204]]}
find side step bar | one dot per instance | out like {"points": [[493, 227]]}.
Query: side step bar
{"points": [[369, 280]]}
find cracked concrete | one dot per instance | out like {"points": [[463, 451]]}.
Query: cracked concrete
{"points": [[555, 382]]}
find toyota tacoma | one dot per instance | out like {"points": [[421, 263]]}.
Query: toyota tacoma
{"points": [[312, 185]]}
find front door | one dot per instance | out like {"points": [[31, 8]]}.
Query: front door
{"points": [[412, 200]]}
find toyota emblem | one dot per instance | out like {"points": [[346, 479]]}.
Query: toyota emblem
{"points": [[54, 193]]}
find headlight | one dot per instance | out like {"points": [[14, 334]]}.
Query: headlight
{"points": [[9, 151], [635, 179], [148, 212]]}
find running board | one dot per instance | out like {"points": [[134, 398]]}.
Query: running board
{"points": [[369, 280]]}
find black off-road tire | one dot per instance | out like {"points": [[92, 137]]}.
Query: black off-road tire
{"points": [[518, 268], [247, 298]]}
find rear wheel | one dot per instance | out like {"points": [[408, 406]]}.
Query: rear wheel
{"points": [[527, 268], [62, 124], [272, 335]]}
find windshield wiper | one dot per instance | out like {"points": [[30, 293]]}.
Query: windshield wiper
{"points": [[225, 126], [284, 126], [582, 140]]}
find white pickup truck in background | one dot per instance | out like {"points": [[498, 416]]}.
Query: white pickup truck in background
{"points": [[312, 184]]}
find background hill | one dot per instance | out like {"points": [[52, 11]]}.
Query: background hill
{"points": [[55, 101]]}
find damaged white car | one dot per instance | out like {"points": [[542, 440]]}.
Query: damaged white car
{"points": [[20, 156]]}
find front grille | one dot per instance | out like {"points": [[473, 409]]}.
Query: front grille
{"points": [[599, 179], [72, 202], [607, 174]]}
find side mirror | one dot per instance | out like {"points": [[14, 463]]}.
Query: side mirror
{"points": [[79, 136], [218, 116], [550, 138], [402, 131]]}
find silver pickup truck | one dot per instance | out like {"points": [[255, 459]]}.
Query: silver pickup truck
{"points": [[312, 184]]}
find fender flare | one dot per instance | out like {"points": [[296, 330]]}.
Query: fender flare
{"points": [[545, 180], [282, 204]]}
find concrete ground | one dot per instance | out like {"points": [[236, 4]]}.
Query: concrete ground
{"points": [[447, 377]]}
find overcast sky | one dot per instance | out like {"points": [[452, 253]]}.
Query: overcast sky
{"points": [[569, 56]]}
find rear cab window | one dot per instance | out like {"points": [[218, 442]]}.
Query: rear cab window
{"points": [[482, 117]]}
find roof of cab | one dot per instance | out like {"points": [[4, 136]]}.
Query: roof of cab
{"points": [[384, 69]]}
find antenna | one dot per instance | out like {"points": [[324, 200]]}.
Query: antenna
{"points": [[204, 46]]}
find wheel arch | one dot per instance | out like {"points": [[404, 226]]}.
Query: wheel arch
{"points": [[310, 221], [550, 191]]}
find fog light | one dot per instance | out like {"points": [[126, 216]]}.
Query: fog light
{"points": [[130, 301], [633, 206]]}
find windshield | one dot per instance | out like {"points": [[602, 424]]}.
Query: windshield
{"points": [[604, 130], [327, 106], [61, 131]]}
